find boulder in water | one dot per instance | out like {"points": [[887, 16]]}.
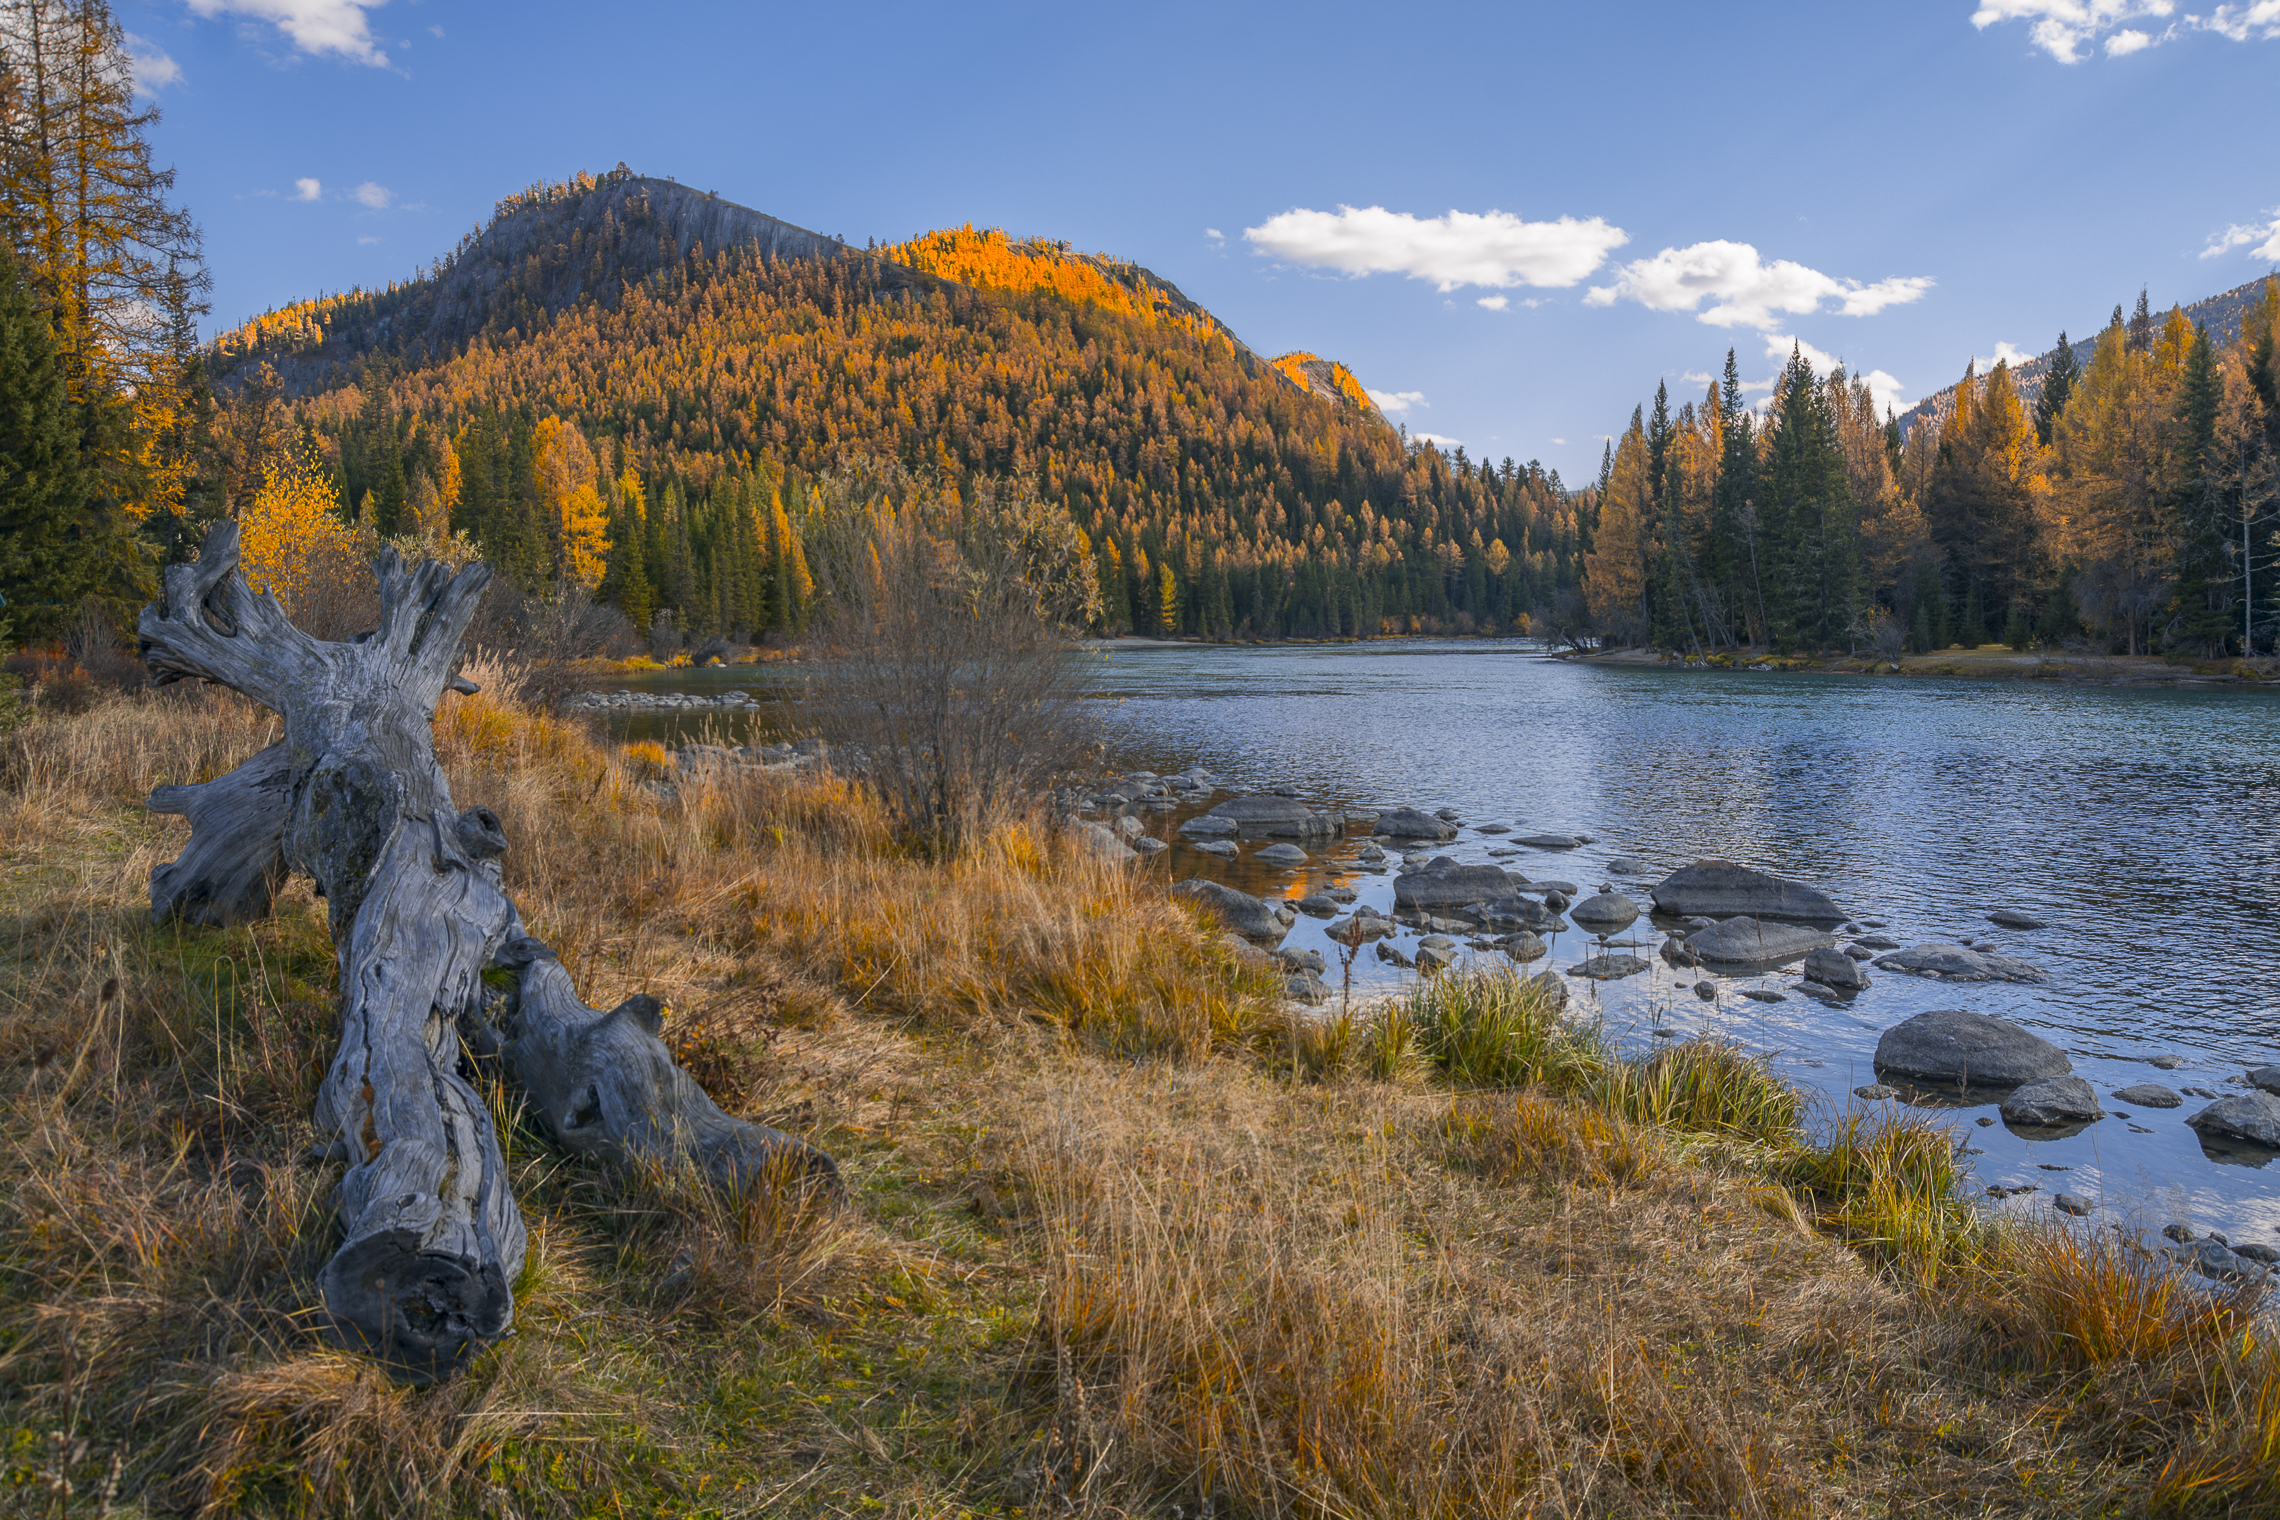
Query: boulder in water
{"points": [[1627, 865], [2265, 1079], [1281, 855], [2052, 1100], [1411, 823], [1721, 889], [1834, 968], [1748, 942], [1441, 884], [1549, 841], [1971, 1049], [1608, 968], [2148, 1095], [2017, 918], [1223, 848], [1954, 963], [2253, 1116], [1604, 913], [1239, 911], [1548, 986], [1523, 947], [1207, 826], [1273, 817], [1318, 905]]}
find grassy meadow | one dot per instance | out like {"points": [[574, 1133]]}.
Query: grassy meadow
{"points": [[1118, 1239]]}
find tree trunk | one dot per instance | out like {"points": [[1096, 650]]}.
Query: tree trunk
{"points": [[354, 797]]}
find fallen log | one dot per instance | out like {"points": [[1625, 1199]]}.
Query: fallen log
{"points": [[354, 797]]}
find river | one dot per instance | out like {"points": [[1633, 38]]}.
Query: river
{"points": [[2144, 824]]}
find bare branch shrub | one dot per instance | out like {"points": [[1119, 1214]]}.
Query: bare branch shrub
{"points": [[949, 628]]}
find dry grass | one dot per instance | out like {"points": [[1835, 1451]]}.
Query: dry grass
{"points": [[1120, 1240]]}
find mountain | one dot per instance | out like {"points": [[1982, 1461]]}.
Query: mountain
{"points": [[2221, 314], [712, 362]]}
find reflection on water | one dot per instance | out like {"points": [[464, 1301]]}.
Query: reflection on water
{"points": [[2141, 824]]}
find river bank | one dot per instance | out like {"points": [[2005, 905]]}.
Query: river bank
{"points": [[1116, 1237], [1993, 662]]}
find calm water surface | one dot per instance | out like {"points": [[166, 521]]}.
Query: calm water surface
{"points": [[2141, 823]]}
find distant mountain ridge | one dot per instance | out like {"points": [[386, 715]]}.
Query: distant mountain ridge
{"points": [[551, 245], [2221, 314]]}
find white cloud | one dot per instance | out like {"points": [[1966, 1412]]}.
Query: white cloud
{"points": [[1496, 249], [2240, 235], [1215, 234], [1438, 441], [312, 26], [308, 189], [2071, 30], [153, 69], [436, 32], [375, 196], [363, 241], [1494, 303], [2006, 352], [1561, 441], [1695, 377], [1394, 402], [1744, 292], [2256, 22]]}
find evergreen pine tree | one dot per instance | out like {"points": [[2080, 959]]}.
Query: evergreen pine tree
{"points": [[2200, 601], [2058, 384], [43, 479]]}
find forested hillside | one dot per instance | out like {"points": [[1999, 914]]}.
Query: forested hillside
{"points": [[594, 389], [2130, 505]]}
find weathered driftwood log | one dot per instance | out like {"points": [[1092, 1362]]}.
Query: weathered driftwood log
{"points": [[354, 797]]}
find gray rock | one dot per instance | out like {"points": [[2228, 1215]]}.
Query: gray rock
{"points": [[1859, 952], [1974, 1049], [2253, 1116], [1274, 817], [1369, 854], [1832, 968], [1358, 930], [1492, 828], [1627, 865], [1128, 826], [1549, 841], [1524, 947], [1318, 905], [2265, 1078], [2165, 1062], [2214, 1259], [2072, 1203], [1441, 883], [1340, 894], [2262, 1254], [1388, 953], [2016, 918], [1098, 839], [1608, 968], [1721, 889], [1409, 823], [1148, 845], [1750, 942], [1762, 995], [2052, 1100], [1300, 960], [1437, 942], [1548, 986], [1206, 826], [1557, 901], [2181, 1233], [1223, 848], [1954, 963], [1239, 911], [1432, 958], [1523, 884], [1707, 991], [2148, 1095], [1285, 790], [1447, 815], [1281, 855], [1306, 988], [1876, 1091]]}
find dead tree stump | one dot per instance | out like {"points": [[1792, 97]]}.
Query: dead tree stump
{"points": [[354, 797]]}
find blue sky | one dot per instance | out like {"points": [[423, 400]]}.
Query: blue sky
{"points": [[1509, 220]]}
